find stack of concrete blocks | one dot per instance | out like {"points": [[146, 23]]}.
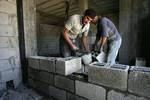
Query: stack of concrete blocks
{"points": [[115, 76], [49, 75], [9, 45], [52, 76], [122, 82], [139, 81], [66, 66]]}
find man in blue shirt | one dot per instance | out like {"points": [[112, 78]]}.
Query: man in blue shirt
{"points": [[107, 33]]}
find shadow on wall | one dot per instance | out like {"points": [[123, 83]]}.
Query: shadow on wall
{"points": [[144, 31]]}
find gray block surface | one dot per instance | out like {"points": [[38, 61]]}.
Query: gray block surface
{"points": [[33, 62], [111, 76], [48, 64], [139, 81], [46, 77], [90, 91], [113, 95], [71, 96], [65, 83], [66, 66], [57, 93]]}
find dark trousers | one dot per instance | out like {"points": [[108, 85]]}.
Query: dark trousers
{"points": [[65, 49]]}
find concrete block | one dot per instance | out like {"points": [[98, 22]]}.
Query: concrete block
{"points": [[42, 87], [114, 76], [33, 73], [113, 95], [4, 18], [31, 83], [7, 75], [42, 76], [66, 66], [34, 61], [48, 64], [7, 7], [4, 42], [6, 30], [139, 81], [8, 42], [90, 91], [71, 96], [5, 65], [57, 93], [65, 83], [2, 86], [46, 77], [7, 53]]}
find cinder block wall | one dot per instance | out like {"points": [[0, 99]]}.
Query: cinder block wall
{"points": [[117, 82], [48, 39], [9, 48]]}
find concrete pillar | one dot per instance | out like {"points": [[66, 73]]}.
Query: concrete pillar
{"points": [[29, 14], [133, 22]]}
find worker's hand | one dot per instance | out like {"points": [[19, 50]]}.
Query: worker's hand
{"points": [[101, 50], [88, 51], [74, 47], [95, 48]]}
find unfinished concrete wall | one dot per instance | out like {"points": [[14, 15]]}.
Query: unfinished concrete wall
{"points": [[48, 40], [9, 44], [133, 24], [29, 14], [103, 82]]}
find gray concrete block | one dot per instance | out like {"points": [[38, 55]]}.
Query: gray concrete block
{"points": [[7, 75], [42, 76], [66, 66], [7, 53], [41, 87], [113, 95], [33, 73], [90, 91], [71, 96], [2, 86], [4, 18], [48, 64], [5, 65], [65, 83], [139, 81], [6, 30], [46, 77], [7, 7], [31, 83], [34, 62], [57, 93], [114, 76], [4, 42]]}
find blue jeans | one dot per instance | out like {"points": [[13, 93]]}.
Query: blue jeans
{"points": [[113, 50]]}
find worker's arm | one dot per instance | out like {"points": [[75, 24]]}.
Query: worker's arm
{"points": [[66, 36], [85, 43], [101, 43], [104, 34]]}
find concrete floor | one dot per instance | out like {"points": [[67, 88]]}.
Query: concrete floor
{"points": [[22, 93]]}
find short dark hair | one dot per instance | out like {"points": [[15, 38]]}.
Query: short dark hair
{"points": [[90, 12]]}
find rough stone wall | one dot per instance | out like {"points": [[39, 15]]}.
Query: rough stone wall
{"points": [[29, 12], [9, 44]]}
